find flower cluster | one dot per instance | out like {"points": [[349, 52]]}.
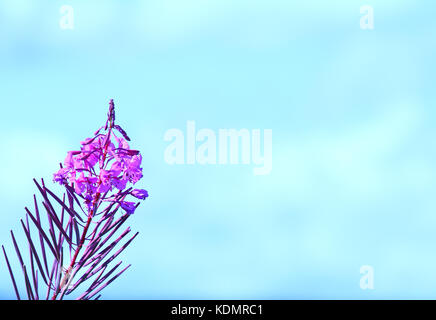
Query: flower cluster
{"points": [[104, 164]]}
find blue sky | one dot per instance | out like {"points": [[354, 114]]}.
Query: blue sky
{"points": [[352, 114]]}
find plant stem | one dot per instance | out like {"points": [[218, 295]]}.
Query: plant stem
{"points": [[85, 230], [80, 245]]}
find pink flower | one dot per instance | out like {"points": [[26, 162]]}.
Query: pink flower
{"points": [[133, 171], [119, 183], [79, 184], [139, 193], [130, 207], [121, 142], [105, 162], [61, 175]]}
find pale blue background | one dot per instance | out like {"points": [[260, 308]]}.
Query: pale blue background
{"points": [[354, 149]]}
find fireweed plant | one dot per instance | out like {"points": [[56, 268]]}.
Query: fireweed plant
{"points": [[75, 246]]}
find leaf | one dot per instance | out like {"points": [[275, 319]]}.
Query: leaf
{"points": [[57, 223], [42, 233], [11, 274], [83, 296], [33, 250], [64, 206], [41, 240]]}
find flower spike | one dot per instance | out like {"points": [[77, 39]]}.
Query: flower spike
{"points": [[98, 179]]}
